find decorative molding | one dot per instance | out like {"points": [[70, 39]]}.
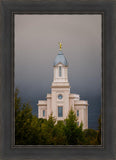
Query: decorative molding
{"points": [[42, 104], [60, 87], [80, 104]]}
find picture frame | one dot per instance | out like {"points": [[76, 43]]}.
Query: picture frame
{"points": [[7, 11]]}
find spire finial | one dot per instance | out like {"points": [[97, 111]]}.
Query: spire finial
{"points": [[60, 44]]}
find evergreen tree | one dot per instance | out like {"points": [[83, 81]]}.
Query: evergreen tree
{"points": [[90, 137], [72, 130], [59, 134], [29, 130], [47, 130], [99, 130], [26, 125]]}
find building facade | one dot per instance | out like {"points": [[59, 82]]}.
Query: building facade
{"points": [[60, 101]]}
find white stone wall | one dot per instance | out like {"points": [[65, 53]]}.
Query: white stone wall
{"points": [[49, 106], [64, 102], [64, 77], [68, 101], [83, 114], [41, 108]]}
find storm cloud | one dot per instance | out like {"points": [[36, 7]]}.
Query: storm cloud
{"points": [[36, 46]]}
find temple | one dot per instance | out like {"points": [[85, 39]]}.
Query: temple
{"points": [[60, 100]]}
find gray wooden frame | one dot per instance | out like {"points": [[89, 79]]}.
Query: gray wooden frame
{"points": [[107, 150]]}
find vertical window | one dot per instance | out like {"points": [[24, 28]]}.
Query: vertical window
{"points": [[77, 123], [77, 112], [43, 113], [60, 71], [60, 111]]}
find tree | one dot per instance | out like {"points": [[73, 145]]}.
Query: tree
{"points": [[93, 137], [17, 103], [26, 125], [47, 130], [73, 132], [29, 130], [99, 130], [59, 134], [90, 137]]}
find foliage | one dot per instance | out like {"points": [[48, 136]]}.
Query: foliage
{"points": [[72, 131], [59, 134], [99, 132], [26, 125], [29, 130], [90, 136]]}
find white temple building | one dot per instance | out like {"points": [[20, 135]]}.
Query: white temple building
{"points": [[60, 100]]}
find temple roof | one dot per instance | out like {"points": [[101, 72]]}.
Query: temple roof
{"points": [[60, 58]]}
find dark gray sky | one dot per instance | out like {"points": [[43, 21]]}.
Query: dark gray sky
{"points": [[36, 46]]}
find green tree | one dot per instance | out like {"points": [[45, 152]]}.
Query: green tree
{"points": [[59, 134], [73, 132], [17, 103], [26, 125], [47, 130], [90, 137], [29, 130], [99, 130]]}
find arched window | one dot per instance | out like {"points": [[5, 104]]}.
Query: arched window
{"points": [[60, 71]]}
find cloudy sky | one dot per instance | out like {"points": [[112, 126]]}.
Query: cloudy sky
{"points": [[36, 46]]}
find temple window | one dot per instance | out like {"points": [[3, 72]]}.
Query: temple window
{"points": [[60, 71]]}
